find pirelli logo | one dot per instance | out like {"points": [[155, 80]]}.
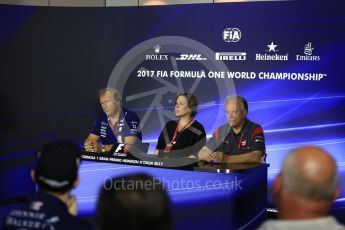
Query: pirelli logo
{"points": [[231, 56]]}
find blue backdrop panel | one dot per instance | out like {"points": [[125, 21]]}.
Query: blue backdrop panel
{"points": [[54, 60]]}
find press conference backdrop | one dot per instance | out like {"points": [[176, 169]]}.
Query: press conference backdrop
{"points": [[286, 58]]}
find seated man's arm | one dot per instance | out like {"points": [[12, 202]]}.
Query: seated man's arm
{"points": [[132, 130], [205, 154], [130, 140], [251, 157], [90, 142], [92, 137]]}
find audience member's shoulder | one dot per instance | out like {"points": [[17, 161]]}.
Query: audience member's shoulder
{"points": [[329, 223]]}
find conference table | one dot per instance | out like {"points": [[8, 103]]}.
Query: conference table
{"points": [[203, 195]]}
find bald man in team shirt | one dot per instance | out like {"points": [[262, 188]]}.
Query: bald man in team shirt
{"points": [[239, 141]]}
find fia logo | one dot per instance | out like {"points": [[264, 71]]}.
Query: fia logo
{"points": [[231, 35]]}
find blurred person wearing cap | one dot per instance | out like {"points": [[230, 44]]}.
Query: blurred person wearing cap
{"points": [[52, 207], [238, 141], [304, 191], [134, 202]]}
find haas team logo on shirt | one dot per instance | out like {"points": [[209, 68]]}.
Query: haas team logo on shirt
{"points": [[243, 143]]}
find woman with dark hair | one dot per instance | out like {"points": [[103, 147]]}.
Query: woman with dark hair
{"points": [[184, 137]]}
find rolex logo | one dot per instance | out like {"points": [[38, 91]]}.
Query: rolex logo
{"points": [[157, 56], [157, 49]]}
